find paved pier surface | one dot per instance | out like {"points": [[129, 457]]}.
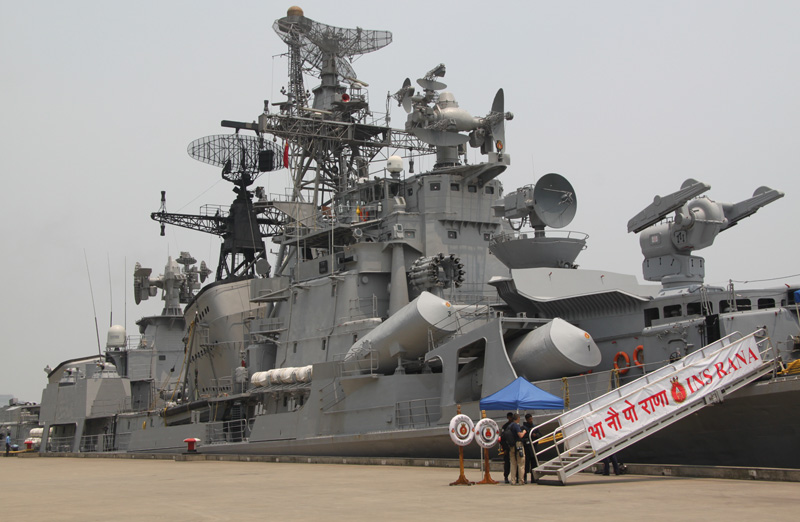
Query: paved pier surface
{"points": [[86, 489]]}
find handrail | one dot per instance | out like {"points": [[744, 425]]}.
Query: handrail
{"points": [[654, 377]]}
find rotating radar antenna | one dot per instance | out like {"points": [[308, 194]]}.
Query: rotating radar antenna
{"points": [[323, 51], [242, 158], [243, 226]]}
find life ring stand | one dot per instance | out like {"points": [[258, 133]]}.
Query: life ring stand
{"points": [[638, 356], [626, 357], [462, 430]]}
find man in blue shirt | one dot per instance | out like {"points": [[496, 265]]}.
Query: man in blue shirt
{"points": [[8, 443], [517, 452]]}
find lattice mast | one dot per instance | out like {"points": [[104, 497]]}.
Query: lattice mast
{"points": [[325, 158]]}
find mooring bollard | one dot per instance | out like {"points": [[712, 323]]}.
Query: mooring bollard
{"points": [[191, 442]]}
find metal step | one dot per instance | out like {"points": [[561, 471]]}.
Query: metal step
{"points": [[582, 428]]}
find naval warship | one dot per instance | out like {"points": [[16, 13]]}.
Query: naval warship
{"points": [[356, 314]]}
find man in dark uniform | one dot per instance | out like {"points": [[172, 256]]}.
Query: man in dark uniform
{"points": [[504, 447], [526, 441]]}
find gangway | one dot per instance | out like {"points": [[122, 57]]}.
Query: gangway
{"points": [[601, 427]]}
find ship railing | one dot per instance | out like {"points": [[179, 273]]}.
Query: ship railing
{"points": [[580, 389], [222, 385], [60, 444], [226, 432], [214, 210], [359, 304], [270, 325], [135, 342], [526, 233], [367, 363], [482, 309], [417, 413], [332, 393], [98, 443]]}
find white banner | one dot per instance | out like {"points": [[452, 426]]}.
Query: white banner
{"points": [[648, 405]]}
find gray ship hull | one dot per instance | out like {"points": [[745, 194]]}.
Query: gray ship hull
{"points": [[756, 426]]}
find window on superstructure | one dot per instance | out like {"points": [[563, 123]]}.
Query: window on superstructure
{"points": [[455, 187], [435, 186], [650, 315], [766, 303], [697, 308], [489, 190], [452, 234], [673, 311], [739, 306], [472, 189]]}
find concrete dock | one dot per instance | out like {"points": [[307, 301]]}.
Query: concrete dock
{"points": [[84, 489]]}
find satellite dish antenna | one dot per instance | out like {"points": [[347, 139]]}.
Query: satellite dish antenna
{"points": [[499, 125], [403, 96], [554, 202], [431, 85]]}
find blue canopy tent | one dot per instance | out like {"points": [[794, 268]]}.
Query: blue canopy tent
{"points": [[521, 395]]}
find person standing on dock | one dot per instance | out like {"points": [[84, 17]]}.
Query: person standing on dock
{"points": [[526, 441], [517, 451], [505, 448], [8, 443]]}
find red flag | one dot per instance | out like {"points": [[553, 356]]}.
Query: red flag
{"points": [[286, 154]]}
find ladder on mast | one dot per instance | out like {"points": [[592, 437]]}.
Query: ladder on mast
{"points": [[601, 427]]}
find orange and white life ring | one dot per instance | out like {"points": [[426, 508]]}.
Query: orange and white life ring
{"points": [[461, 430], [487, 433], [638, 355], [626, 358]]}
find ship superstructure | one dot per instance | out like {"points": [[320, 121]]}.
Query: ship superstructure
{"points": [[393, 296]]}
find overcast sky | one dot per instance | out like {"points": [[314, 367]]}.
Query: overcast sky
{"points": [[98, 101]]}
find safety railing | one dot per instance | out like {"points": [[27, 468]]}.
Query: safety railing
{"points": [[417, 413], [98, 443], [568, 439], [60, 444], [225, 432], [528, 233]]}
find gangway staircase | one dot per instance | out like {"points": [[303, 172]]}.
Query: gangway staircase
{"points": [[599, 428]]}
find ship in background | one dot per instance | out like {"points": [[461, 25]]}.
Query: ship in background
{"points": [[396, 296]]}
